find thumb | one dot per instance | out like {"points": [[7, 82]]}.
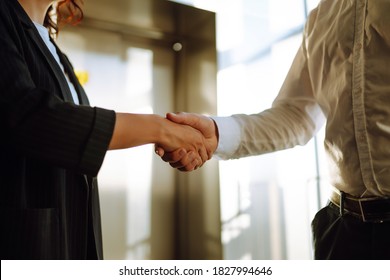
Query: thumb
{"points": [[183, 118]]}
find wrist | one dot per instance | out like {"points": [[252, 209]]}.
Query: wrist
{"points": [[162, 135]]}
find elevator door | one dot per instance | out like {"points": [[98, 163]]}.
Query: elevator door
{"points": [[136, 187]]}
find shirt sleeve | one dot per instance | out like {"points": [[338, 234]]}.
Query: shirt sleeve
{"points": [[229, 137], [293, 119]]}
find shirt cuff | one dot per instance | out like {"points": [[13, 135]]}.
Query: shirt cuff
{"points": [[229, 137]]}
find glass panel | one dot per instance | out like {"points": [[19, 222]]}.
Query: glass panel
{"points": [[267, 202], [311, 4]]}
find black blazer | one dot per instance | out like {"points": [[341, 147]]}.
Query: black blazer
{"points": [[51, 152]]}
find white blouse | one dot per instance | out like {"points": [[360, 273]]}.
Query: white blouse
{"points": [[46, 38]]}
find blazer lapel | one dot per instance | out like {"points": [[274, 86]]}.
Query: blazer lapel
{"points": [[72, 77], [36, 38]]}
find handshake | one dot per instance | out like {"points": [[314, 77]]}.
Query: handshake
{"points": [[190, 141]]}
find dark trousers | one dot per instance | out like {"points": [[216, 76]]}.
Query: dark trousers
{"points": [[347, 237]]}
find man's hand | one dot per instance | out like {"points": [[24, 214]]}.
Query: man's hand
{"points": [[179, 158]]}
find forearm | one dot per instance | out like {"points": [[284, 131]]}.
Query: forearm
{"points": [[133, 130]]}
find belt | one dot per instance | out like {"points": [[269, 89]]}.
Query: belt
{"points": [[371, 209]]}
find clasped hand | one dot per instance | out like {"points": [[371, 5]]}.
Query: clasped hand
{"points": [[189, 159]]}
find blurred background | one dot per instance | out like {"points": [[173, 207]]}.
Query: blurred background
{"points": [[211, 57]]}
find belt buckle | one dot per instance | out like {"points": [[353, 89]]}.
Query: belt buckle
{"points": [[362, 211], [367, 218]]}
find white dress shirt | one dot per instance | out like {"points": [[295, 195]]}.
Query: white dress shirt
{"points": [[341, 74]]}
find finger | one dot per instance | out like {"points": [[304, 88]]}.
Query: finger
{"points": [[159, 151], [203, 155], [186, 160], [191, 167], [174, 156]]}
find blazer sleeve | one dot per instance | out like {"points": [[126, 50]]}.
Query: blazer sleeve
{"points": [[37, 123]]}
